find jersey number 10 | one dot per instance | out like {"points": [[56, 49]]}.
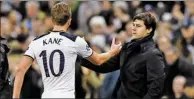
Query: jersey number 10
{"points": [[43, 54]]}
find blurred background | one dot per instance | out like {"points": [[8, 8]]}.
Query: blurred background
{"points": [[99, 22]]}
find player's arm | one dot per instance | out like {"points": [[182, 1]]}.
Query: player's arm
{"points": [[99, 59], [111, 65], [85, 51], [25, 62], [23, 66]]}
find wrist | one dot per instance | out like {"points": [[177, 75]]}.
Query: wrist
{"points": [[111, 53], [15, 97]]}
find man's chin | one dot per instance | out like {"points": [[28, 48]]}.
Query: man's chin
{"points": [[134, 37]]}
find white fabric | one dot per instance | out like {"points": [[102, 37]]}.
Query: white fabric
{"points": [[65, 82]]}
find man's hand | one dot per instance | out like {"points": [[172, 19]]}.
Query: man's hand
{"points": [[99, 59], [115, 48]]}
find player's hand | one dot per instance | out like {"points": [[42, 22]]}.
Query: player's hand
{"points": [[115, 48]]}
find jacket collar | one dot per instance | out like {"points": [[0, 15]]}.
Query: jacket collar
{"points": [[146, 45]]}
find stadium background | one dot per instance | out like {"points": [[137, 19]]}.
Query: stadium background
{"points": [[99, 22]]}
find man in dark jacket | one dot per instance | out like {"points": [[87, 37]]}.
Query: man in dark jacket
{"points": [[176, 65], [141, 64], [5, 88]]}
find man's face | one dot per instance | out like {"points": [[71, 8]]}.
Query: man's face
{"points": [[97, 29], [5, 28], [117, 11], [139, 29], [32, 11], [188, 33], [170, 56], [178, 84], [163, 44], [128, 28]]}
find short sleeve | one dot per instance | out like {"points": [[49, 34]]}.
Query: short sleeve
{"points": [[29, 52], [83, 48]]}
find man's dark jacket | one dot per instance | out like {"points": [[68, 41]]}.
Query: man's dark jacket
{"points": [[141, 67], [5, 88], [180, 67], [3, 61]]}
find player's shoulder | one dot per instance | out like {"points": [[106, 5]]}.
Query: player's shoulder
{"points": [[38, 37], [70, 36]]}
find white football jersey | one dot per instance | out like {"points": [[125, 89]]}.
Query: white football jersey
{"points": [[56, 55]]}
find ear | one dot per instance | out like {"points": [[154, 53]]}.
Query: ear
{"points": [[68, 22], [149, 30]]}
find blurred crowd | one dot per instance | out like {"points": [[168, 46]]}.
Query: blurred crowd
{"points": [[98, 22]]}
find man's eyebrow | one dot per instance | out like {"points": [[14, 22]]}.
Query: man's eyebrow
{"points": [[137, 24]]}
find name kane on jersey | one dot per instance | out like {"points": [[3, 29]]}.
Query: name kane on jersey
{"points": [[52, 41]]}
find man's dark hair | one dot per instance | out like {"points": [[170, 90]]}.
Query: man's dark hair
{"points": [[148, 19], [60, 13]]}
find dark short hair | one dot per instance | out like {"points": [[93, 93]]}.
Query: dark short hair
{"points": [[60, 13], [148, 19]]}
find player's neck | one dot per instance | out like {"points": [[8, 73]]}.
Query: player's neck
{"points": [[59, 28]]}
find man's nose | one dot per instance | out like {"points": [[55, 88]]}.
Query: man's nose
{"points": [[134, 28]]}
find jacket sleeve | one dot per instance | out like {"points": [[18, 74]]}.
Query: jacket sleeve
{"points": [[155, 75], [2, 55], [1, 62], [109, 66]]}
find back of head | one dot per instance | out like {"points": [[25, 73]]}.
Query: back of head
{"points": [[61, 13]]}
